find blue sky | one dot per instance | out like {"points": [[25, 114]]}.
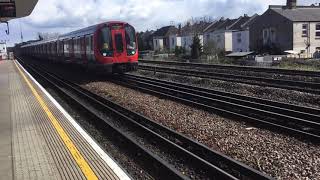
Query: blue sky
{"points": [[64, 16]]}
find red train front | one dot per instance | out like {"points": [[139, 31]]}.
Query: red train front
{"points": [[117, 44], [107, 47]]}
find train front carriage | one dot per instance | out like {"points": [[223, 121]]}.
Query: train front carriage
{"points": [[116, 47]]}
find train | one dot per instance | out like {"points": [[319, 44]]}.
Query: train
{"points": [[109, 47]]}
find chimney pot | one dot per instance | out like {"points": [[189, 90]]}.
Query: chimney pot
{"points": [[291, 4]]}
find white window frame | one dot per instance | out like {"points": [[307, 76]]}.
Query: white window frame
{"points": [[317, 31], [305, 31]]}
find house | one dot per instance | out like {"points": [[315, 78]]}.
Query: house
{"points": [[287, 28], [161, 37], [240, 33], [145, 40], [189, 31], [175, 39], [3, 50], [230, 35], [220, 35]]}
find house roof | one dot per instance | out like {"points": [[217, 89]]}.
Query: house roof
{"points": [[239, 24], [165, 31], [299, 13], [194, 28], [215, 25], [232, 24], [250, 21], [229, 23]]}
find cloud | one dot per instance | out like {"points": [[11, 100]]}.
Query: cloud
{"points": [[64, 16]]}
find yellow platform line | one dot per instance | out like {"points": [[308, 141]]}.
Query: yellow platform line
{"points": [[82, 163]]}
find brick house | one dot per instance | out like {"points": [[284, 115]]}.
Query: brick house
{"points": [[289, 27]]}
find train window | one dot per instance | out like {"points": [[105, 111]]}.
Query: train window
{"points": [[91, 43], [87, 43], [76, 45], [130, 40], [119, 42], [105, 42]]}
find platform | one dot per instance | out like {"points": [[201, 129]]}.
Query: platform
{"points": [[39, 139]]}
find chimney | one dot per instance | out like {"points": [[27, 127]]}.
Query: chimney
{"points": [[291, 4]]}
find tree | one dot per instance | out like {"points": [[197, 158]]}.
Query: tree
{"points": [[210, 48], [196, 47], [178, 51], [140, 42]]}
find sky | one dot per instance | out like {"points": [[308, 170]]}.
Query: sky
{"points": [[62, 16]]}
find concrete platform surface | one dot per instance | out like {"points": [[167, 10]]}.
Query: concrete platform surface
{"points": [[39, 139]]}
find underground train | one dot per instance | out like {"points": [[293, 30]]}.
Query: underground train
{"points": [[109, 47]]}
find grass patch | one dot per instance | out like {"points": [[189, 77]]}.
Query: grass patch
{"points": [[300, 64]]}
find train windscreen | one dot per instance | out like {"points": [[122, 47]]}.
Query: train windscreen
{"points": [[106, 42], [130, 40]]}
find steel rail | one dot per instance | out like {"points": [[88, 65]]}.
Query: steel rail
{"points": [[206, 155], [239, 68], [308, 113], [303, 111], [308, 87], [227, 106]]}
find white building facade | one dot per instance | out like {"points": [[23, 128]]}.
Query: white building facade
{"points": [[158, 44], [240, 41], [187, 41], [306, 38], [221, 39], [175, 41]]}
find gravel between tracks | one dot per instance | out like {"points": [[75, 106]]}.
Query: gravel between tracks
{"points": [[280, 95], [243, 73], [278, 155]]}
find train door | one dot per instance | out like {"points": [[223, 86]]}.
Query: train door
{"points": [[89, 47], [118, 43]]}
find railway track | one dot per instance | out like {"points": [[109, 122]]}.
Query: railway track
{"points": [[297, 120], [238, 68], [202, 161], [309, 87]]}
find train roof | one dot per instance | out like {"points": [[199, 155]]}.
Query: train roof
{"points": [[80, 32]]}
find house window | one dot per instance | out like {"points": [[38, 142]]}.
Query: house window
{"points": [[239, 38], [318, 30], [304, 30]]}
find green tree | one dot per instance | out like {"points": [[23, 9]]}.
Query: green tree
{"points": [[196, 47], [210, 48], [178, 51], [140, 42]]}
